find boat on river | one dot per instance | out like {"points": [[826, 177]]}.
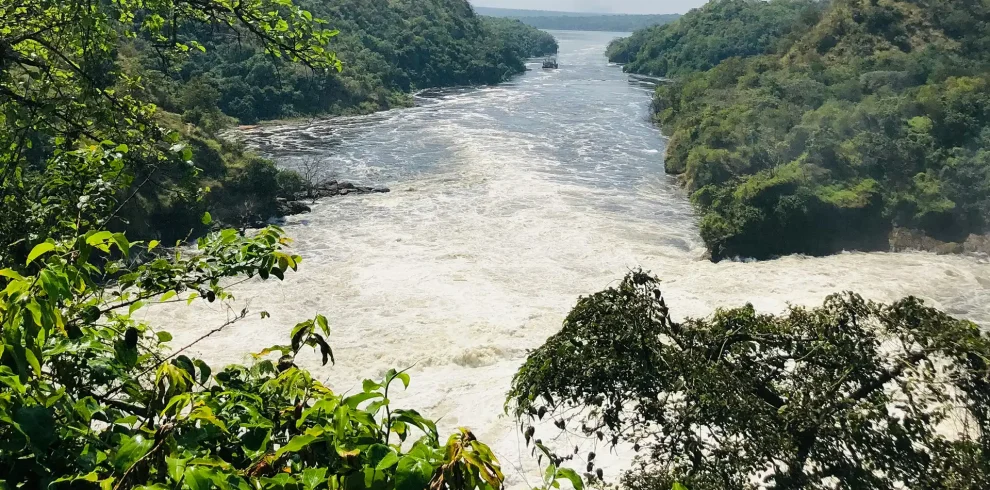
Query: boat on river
{"points": [[550, 62]]}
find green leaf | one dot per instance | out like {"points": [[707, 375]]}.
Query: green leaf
{"points": [[322, 322], [314, 477], [254, 441], [575, 479], [393, 375], [678, 486], [33, 361], [369, 386], [176, 467], [39, 250], [137, 305], [199, 478], [163, 336], [354, 400], [204, 370], [10, 274], [413, 417], [38, 424], [376, 452], [412, 474], [122, 244], [388, 461], [204, 413], [207, 219], [98, 237], [132, 450], [296, 444], [167, 296]]}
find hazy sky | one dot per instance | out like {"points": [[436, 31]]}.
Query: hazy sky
{"points": [[605, 6]]}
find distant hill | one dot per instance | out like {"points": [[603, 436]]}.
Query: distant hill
{"points": [[519, 13], [579, 21]]}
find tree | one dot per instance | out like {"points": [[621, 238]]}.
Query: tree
{"points": [[73, 132], [91, 397], [852, 394]]}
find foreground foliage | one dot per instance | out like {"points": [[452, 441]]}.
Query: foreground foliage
{"points": [[80, 148], [93, 397], [833, 132], [852, 394]]}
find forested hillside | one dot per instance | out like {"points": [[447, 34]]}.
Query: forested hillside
{"points": [[387, 48], [523, 39], [707, 35], [874, 115], [580, 21]]}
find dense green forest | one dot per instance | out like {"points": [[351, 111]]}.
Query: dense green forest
{"points": [[706, 36], [523, 39], [860, 117], [576, 21], [388, 50]]}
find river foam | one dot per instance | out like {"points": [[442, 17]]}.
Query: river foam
{"points": [[508, 203]]}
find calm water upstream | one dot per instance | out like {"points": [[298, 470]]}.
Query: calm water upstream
{"points": [[508, 203]]}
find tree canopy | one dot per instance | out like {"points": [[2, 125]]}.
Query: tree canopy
{"points": [[851, 394], [705, 36], [871, 117]]}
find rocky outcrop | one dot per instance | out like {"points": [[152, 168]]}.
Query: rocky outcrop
{"points": [[287, 207], [902, 239], [284, 207], [334, 188]]}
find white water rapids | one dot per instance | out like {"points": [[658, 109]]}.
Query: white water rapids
{"points": [[508, 203]]}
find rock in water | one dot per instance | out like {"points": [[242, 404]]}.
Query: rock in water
{"points": [[286, 208]]}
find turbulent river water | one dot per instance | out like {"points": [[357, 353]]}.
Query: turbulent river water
{"points": [[507, 204]]}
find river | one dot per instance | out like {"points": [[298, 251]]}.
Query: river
{"points": [[507, 204]]}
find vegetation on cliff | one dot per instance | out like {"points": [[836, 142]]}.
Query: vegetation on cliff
{"points": [[851, 394], [522, 39], [707, 35], [90, 396], [875, 115], [388, 50]]}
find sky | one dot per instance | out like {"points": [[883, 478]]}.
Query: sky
{"points": [[602, 6]]}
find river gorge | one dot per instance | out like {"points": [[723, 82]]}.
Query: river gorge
{"points": [[507, 204]]}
